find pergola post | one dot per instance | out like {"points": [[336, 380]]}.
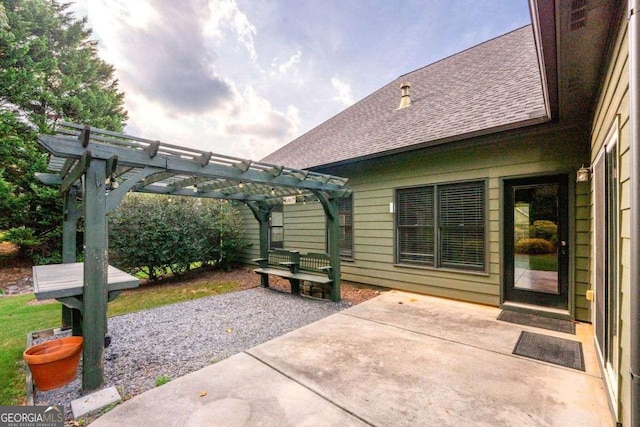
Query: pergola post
{"points": [[71, 317], [264, 245], [94, 304], [261, 212], [330, 205]]}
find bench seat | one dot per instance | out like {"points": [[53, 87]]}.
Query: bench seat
{"points": [[298, 276]]}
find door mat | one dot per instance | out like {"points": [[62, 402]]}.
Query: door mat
{"points": [[536, 321], [554, 350]]}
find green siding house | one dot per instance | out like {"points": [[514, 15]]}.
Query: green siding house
{"points": [[501, 175]]}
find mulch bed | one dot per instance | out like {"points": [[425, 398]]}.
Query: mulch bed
{"points": [[15, 277]]}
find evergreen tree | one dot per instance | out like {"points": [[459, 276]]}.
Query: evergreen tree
{"points": [[49, 70]]}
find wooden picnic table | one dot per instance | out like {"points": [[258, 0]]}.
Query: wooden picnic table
{"points": [[66, 281]]}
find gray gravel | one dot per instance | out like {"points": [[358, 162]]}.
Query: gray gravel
{"points": [[180, 338]]}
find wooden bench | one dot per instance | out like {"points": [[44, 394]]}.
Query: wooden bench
{"points": [[311, 267]]}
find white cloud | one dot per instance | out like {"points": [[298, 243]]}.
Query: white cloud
{"points": [[344, 91], [256, 127], [248, 126], [226, 16], [290, 65]]}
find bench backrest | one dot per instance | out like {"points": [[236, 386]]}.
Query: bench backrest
{"points": [[314, 261], [277, 256]]}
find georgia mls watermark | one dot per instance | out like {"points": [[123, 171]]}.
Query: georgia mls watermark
{"points": [[31, 416]]}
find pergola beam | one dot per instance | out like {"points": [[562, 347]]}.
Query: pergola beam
{"points": [[78, 170], [159, 176], [67, 166], [115, 196], [49, 178], [275, 171], [194, 180], [217, 185], [66, 148], [243, 165], [158, 189]]}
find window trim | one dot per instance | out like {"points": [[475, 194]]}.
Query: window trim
{"points": [[437, 266]]}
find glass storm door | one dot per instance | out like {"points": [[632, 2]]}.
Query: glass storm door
{"points": [[606, 238], [536, 241]]}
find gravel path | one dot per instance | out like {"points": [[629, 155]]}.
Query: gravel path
{"points": [[180, 338]]}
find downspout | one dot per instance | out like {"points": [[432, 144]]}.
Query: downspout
{"points": [[634, 291]]}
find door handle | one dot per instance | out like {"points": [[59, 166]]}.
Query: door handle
{"points": [[563, 247]]}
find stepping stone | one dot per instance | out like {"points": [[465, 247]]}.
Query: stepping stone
{"points": [[95, 401]]}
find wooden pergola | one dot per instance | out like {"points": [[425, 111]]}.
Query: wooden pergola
{"points": [[99, 167]]}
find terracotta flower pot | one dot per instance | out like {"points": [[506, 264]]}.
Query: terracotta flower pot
{"points": [[54, 363]]}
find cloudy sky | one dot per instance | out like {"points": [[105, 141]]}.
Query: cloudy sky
{"points": [[244, 77]]}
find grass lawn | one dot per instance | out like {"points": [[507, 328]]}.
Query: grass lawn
{"points": [[18, 317], [545, 262]]}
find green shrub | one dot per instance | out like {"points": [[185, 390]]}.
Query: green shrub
{"points": [[159, 234], [543, 229], [40, 249], [24, 238], [533, 246], [32, 208], [54, 258]]}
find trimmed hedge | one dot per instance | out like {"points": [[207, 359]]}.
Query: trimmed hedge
{"points": [[157, 234], [543, 229], [534, 246]]}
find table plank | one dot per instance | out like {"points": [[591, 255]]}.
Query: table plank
{"points": [[66, 280]]}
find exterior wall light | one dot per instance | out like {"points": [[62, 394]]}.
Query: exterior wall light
{"points": [[583, 174]]}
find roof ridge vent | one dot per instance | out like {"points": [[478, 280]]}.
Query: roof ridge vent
{"points": [[405, 99]]}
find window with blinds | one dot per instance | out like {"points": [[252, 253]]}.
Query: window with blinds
{"points": [[442, 225], [461, 223], [416, 222]]}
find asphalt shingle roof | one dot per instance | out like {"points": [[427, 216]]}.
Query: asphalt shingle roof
{"points": [[493, 85]]}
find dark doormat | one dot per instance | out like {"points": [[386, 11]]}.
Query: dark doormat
{"points": [[538, 321], [555, 350]]}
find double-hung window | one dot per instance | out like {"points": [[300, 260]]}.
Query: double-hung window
{"points": [[442, 226]]}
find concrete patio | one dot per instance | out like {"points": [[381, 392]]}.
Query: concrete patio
{"points": [[400, 359]]}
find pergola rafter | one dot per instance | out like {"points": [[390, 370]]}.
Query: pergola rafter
{"points": [[102, 166]]}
